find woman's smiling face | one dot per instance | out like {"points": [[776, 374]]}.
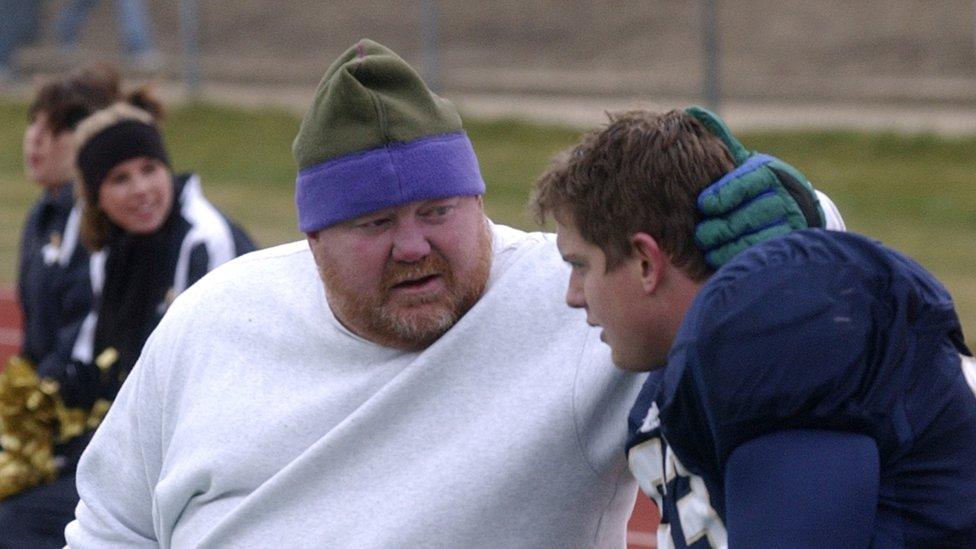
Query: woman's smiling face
{"points": [[137, 195]]}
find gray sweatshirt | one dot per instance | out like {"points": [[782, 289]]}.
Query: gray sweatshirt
{"points": [[255, 419]]}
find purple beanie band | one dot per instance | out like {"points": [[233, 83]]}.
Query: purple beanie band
{"points": [[360, 183]]}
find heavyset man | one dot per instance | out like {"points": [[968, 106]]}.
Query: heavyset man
{"points": [[814, 390], [406, 377]]}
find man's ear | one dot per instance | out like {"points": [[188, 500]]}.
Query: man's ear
{"points": [[651, 259]]}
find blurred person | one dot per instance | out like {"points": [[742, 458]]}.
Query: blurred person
{"points": [[814, 389], [152, 234], [19, 24], [53, 287], [404, 377], [135, 25]]}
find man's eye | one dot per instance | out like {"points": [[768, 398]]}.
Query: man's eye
{"points": [[375, 223], [437, 211]]}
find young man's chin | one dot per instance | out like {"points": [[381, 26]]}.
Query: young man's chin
{"points": [[634, 364]]}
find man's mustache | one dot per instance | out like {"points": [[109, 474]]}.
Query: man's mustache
{"points": [[398, 273]]}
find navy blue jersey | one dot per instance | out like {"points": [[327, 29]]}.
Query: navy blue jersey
{"points": [[52, 280], [664, 479], [825, 331]]}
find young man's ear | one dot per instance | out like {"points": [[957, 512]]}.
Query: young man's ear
{"points": [[651, 259]]}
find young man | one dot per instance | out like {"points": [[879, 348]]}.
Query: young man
{"points": [[405, 377], [813, 391]]}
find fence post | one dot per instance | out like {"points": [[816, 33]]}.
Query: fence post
{"points": [[710, 54], [429, 68], [189, 32]]}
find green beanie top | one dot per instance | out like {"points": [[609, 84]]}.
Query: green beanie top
{"points": [[376, 137]]}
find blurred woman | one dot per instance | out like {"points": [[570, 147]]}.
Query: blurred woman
{"points": [[53, 289], [151, 233]]}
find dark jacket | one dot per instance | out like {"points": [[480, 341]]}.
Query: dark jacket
{"points": [[821, 331], [134, 280], [52, 282]]}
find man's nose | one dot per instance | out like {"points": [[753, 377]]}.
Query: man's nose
{"points": [[410, 243]]}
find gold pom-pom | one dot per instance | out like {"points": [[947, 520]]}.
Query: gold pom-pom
{"points": [[33, 418]]}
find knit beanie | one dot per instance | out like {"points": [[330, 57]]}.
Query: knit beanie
{"points": [[376, 137], [111, 136]]}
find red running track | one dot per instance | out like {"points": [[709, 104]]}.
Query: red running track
{"points": [[10, 322]]}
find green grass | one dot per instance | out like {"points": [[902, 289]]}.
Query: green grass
{"points": [[914, 193]]}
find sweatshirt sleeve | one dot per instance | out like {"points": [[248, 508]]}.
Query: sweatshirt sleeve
{"points": [[797, 484]]}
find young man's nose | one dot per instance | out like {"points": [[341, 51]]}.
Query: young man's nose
{"points": [[574, 295], [410, 243]]}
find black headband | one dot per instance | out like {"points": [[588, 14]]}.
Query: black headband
{"points": [[112, 146]]}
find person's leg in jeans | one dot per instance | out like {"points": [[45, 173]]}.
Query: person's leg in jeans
{"points": [[18, 24], [135, 26], [70, 19], [31, 22]]}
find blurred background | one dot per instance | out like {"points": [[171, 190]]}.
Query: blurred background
{"points": [[751, 56]]}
